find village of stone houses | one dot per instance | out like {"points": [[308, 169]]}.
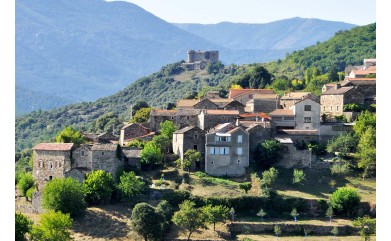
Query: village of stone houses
{"points": [[255, 165]]}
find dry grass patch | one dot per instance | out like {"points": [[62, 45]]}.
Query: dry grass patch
{"points": [[301, 238]]}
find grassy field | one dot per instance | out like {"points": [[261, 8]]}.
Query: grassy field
{"points": [[301, 238]]}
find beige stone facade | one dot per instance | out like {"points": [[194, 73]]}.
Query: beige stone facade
{"points": [[291, 98]]}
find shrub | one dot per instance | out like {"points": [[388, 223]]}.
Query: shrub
{"points": [[130, 186], [146, 221], [345, 200], [298, 176], [246, 186], [53, 226], [26, 182], [65, 195], [340, 169], [98, 187], [29, 193], [22, 226]]}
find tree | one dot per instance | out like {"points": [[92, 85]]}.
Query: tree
{"points": [[191, 156], [246, 186], [280, 84], [69, 135], [334, 232], [166, 210], [367, 151], [139, 105], [146, 221], [329, 212], [298, 176], [142, 115], [261, 214], [216, 214], [345, 200], [65, 195], [269, 176], [363, 121], [367, 227], [232, 213], [105, 123], [26, 182], [294, 214], [167, 128], [277, 230], [189, 217], [268, 153], [130, 186], [151, 154], [98, 186], [162, 142], [22, 226], [255, 78], [53, 226], [345, 143]]}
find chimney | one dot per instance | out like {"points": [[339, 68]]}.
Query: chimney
{"points": [[256, 118], [337, 86], [237, 122]]}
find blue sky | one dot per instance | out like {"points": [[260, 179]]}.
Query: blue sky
{"points": [[358, 12]]}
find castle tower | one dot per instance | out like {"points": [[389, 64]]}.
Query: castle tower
{"points": [[190, 56]]}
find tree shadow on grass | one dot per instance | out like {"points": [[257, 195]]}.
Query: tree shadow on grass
{"points": [[104, 222]]}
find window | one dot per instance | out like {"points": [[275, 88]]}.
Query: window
{"points": [[196, 135], [224, 150], [51, 165], [307, 108], [40, 163], [214, 151], [223, 138], [307, 119], [82, 153], [336, 107], [240, 138], [211, 163], [240, 151], [324, 108], [195, 147], [103, 153], [331, 108], [238, 161], [286, 118]]}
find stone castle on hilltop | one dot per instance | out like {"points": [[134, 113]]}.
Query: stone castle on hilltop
{"points": [[197, 60]]}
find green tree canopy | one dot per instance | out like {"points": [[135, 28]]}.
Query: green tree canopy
{"points": [[298, 176], [151, 154], [167, 128], [26, 182], [191, 156], [269, 176], [216, 214], [267, 153], [70, 135], [344, 143], [257, 77], [53, 226], [105, 123], [146, 221], [65, 195], [245, 186], [189, 217], [142, 115], [345, 200], [22, 226], [139, 105], [367, 227], [367, 151], [98, 187], [363, 121], [130, 186]]}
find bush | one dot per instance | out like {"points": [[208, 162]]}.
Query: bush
{"points": [[340, 169], [146, 221], [53, 226], [345, 200], [29, 193], [22, 226], [130, 186], [65, 195], [26, 182], [98, 187]]}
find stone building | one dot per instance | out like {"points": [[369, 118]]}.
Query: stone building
{"points": [[104, 138], [105, 157], [51, 160], [187, 138], [196, 104], [132, 158], [199, 59], [366, 87], [208, 119], [227, 150], [283, 118], [181, 118], [290, 98], [228, 104], [263, 103], [244, 95], [294, 157], [131, 131]]}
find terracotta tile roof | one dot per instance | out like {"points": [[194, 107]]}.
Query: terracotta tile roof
{"points": [[308, 98], [330, 84], [281, 112], [131, 124], [221, 112], [338, 91], [233, 93], [234, 129], [53, 146], [253, 115], [156, 112], [104, 147], [372, 68], [140, 137], [295, 95], [364, 72], [186, 103], [222, 128]]}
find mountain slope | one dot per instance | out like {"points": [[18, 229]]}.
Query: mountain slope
{"points": [[289, 34]]}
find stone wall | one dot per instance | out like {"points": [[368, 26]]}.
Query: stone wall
{"points": [[36, 202], [258, 134], [132, 131], [294, 158], [205, 104], [54, 164], [106, 161], [207, 122], [82, 157], [264, 105]]}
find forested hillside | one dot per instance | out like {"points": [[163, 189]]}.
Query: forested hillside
{"points": [[161, 88]]}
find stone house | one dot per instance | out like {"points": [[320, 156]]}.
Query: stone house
{"points": [[362, 73], [187, 138], [132, 158], [303, 115], [294, 157], [365, 86], [181, 118], [244, 95], [104, 138], [333, 100], [263, 103], [51, 160], [105, 157], [227, 150], [131, 131], [228, 104], [290, 98], [208, 119]]}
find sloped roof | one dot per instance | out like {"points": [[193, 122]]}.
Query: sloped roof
{"points": [[233, 93], [186, 103], [156, 112], [189, 112], [253, 115], [364, 72], [295, 95], [358, 81], [266, 96], [184, 130], [282, 112], [131, 124], [104, 147], [53, 147], [222, 112], [132, 153], [338, 91]]}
